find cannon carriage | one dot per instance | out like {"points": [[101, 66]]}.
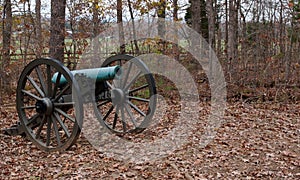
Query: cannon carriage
{"points": [[50, 99]]}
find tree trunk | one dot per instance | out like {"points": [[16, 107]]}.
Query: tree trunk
{"points": [[161, 13], [57, 29], [175, 11], [137, 50], [195, 15], [211, 22], [6, 41], [218, 36], [161, 27], [282, 28], [95, 18], [27, 31], [120, 25], [176, 52], [204, 19], [199, 19], [38, 30], [226, 33], [233, 34], [211, 33], [95, 46], [244, 44]]}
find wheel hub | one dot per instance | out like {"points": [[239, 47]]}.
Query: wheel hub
{"points": [[117, 96], [44, 106]]}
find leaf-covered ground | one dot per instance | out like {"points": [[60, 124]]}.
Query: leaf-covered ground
{"points": [[255, 141]]}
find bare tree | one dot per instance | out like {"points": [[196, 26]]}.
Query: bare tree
{"points": [[161, 26], [120, 25], [57, 29], [38, 29], [95, 10], [137, 50], [195, 15], [226, 31], [176, 52], [211, 22], [161, 14], [28, 32], [175, 11], [211, 31], [233, 31], [199, 20], [6, 33]]}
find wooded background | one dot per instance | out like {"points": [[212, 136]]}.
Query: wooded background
{"points": [[256, 41]]}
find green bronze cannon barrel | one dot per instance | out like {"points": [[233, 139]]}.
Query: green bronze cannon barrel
{"points": [[98, 74]]}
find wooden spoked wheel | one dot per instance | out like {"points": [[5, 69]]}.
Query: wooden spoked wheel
{"points": [[129, 102], [50, 112]]}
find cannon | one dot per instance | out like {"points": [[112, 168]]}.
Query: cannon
{"points": [[50, 99]]}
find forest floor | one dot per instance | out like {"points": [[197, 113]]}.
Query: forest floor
{"points": [[257, 140]]}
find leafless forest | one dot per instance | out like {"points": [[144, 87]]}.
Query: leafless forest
{"points": [[256, 41]]}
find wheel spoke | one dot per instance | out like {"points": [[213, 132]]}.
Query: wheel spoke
{"points": [[139, 88], [103, 103], [115, 118], [64, 104], [138, 99], [36, 87], [127, 108], [123, 119], [65, 114], [48, 130], [133, 80], [28, 107], [119, 82], [31, 95], [62, 92], [109, 85], [49, 82], [32, 119], [38, 132], [62, 124], [56, 130], [127, 75], [108, 113], [41, 78], [56, 84], [136, 109]]}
